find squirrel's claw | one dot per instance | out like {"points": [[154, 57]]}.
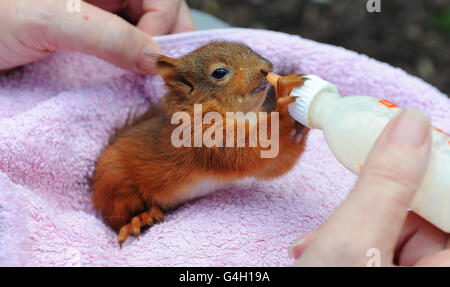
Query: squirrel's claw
{"points": [[287, 83], [286, 101], [284, 87]]}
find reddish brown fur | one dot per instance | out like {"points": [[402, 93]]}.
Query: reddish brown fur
{"points": [[141, 169]]}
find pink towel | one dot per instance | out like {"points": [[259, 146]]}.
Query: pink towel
{"points": [[56, 116]]}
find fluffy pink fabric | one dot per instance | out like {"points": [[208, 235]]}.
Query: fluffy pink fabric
{"points": [[56, 117]]}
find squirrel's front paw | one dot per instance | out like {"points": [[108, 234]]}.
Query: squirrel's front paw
{"points": [[284, 87], [283, 103], [286, 84], [298, 132]]}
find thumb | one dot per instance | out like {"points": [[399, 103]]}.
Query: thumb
{"points": [[97, 32], [374, 212], [393, 172]]}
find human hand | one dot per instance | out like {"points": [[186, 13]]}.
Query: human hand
{"points": [[34, 29], [155, 17], [374, 217]]}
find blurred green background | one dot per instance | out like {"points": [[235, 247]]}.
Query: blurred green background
{"points": [[410, 34]]}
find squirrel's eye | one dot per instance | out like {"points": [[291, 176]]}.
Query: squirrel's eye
{"points": [[218, 74]]}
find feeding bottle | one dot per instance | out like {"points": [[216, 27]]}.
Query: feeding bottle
{"points": [[351, 126]]}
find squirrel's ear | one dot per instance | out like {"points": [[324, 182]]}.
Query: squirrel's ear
{"points": [[168, 69]]}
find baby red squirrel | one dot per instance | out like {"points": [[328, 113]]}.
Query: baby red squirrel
{"points": [[141, 173]]}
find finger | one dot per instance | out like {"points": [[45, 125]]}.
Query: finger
{"points": [[159, 16], [300, 245], [391, 175], [412, 224], [374, 212], [105, 35], [424, 241], [108, 5], [134, 10], [184, 22], [440, 259]]}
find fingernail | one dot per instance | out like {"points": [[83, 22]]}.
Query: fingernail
{"points": [[291, 252], [412, 127], [296, 243], [146, 64]]}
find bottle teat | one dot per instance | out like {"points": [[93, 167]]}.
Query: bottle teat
{"points": [[272, 78], [305, 94]]}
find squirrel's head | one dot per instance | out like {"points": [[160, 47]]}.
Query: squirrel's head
{"points": [[227, 76]]}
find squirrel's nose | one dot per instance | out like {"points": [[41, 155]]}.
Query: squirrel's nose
{"points": [[265, 72], [267, 67]]}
